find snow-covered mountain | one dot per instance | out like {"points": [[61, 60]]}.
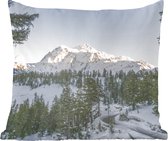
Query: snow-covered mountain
{"points": [[86, 58]]}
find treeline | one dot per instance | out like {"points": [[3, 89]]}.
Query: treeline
{"points": [[36, 79], [123, 88], [73, 113]]}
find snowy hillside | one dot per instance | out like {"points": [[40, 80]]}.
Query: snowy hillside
{"points": [[86, 58], [21, 93]]}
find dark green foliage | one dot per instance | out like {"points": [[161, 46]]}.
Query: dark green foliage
{"points": [[27, 119], [23, 120], [68, 114], [93, 93], [34, 79], [131, 89], [79, 80], [104, 73], [18, 124], [12, 121], [39, 115], [21, 24], [54, 117]]}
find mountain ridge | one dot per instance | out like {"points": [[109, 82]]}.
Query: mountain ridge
{"points": [[85, 58]]}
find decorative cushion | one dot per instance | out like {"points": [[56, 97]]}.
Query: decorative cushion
{"points": [[85, 74]]}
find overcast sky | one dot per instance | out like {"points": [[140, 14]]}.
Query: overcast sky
{"points": [[130, 33]]}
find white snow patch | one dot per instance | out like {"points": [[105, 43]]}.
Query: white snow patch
{"points": [[21, 93]]}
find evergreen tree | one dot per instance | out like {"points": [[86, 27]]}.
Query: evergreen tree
{"points": [[12, 121], [23, 122], [55, 121], [37, 109], [113, 89], [145, 88], [154, 91], [98, 74], [104, 73], [44, 119], [92, 92], [66, 108], [131, 92], [21, 24], [79, 82], [82, 109]]}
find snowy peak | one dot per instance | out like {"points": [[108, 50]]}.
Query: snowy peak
{"points": [[59, 53], [86, 58], [144, 65], [84, 53], [56, 55], [85, 48]]}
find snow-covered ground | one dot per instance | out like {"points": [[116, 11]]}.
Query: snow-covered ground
{"points": [[141, 123], [145, 113], [139, 126], [21, 93]]}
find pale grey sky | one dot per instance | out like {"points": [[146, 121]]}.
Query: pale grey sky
{"points": [[130, 33]]}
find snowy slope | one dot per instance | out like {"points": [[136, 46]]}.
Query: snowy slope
{"points": [[21, 93], [86, 58]]}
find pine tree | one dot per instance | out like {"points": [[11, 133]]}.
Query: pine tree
{"points": [[12, 121], [92, 92], [82, 109], [154, 91], [106, 95], [146, 88], [113, 89], [37, 108], [55, 121], [66, 108], [22, 120], [21, 24], [79, 82], [104, 73], [43, 127], [130, 89]]}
